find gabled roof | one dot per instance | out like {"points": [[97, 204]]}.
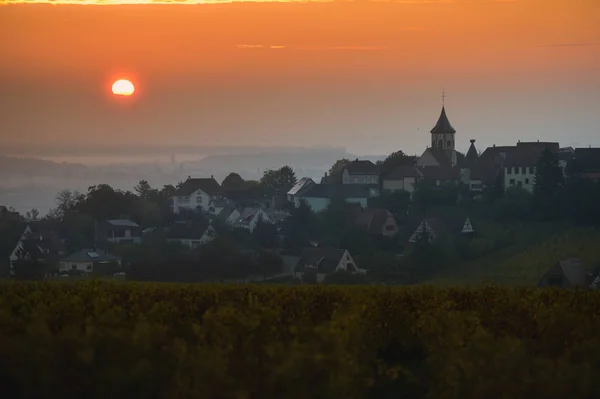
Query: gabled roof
{"points": [[588, 159], [471, 156], [443, 124], [208, 185], [341, 190], [10, 234], [301, 184], [529, 153], [403, 171], [122, 223], [185, 231], [487, 167], [572, 270], [326, 260], [362, 168], [91, 255], [373, 219], [441, 156]]}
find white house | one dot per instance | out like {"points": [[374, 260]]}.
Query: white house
{"points": [[325, 261], [86, 260], [248, 218], [301, 185], [196, 194], [318, 196], [360, 172], [191, 235], [404, 177], [519, 169]]}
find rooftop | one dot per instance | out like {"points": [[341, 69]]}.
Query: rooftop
{"points": [[443, 124]]}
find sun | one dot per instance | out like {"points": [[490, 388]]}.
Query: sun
{"points": [[123, 87]]}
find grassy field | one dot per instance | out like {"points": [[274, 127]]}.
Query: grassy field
{"points": [[535, 250]]}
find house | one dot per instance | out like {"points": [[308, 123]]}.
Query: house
{"points": [[318, 196], [404, 177], [298, 187], [519, 169], [588, 162], [217, 205], [432, 228], [196, 194], [8, 215], [249, 217], [568, 273], [119, 231], [442, 151], [86, 260], [191, 235], [324, 261], [360, 172], [378, 222], [487, 169], [440, 175], [37, 243]]}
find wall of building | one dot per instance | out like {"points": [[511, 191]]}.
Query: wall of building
{"points": [[359, 179], [197, 200], [519, 176]]}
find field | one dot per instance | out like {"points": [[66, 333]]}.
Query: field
{"points": [[534, 250], [116, 339]]}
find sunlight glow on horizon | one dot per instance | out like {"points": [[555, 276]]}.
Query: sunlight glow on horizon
{"points": [[198, 2]]}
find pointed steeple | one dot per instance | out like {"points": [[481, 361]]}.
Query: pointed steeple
{"points": [[467, 227], [472, 155], [443, 124]]}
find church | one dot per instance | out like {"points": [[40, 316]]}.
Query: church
{"points": [[441, 161]]}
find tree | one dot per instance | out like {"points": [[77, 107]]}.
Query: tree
{"points": [[66, 201], [32, 215], [268, 263], [335, 172], [300, 227], [233, 181], [548, 183], [28, 265], [145, 191], [397, 202], [278, 181], [265, 234], [395, 159]]}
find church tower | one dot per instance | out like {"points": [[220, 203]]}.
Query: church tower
{"points": [[442, 134]]}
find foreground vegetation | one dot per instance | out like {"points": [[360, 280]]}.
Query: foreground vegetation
{"points": [[101, 339]]}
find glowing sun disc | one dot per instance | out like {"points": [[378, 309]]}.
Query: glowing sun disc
{"points": [[123, 87]]}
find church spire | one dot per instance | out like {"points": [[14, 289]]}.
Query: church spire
{"points": [[443, 124]]}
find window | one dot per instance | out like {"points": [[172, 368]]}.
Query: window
{"points": [[184, 199], [89, 267], [509, 170], [519, 184], [449, 144], [526, 181], [73, 267], [440, 144], [531, 170], [512, 182], [199, 199], [523, 170]]}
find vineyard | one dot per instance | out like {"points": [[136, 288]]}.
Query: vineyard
{"points": [[115, 339]]}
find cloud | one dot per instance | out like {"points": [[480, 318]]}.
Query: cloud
{"points": [[568, 45], [312, 48]]}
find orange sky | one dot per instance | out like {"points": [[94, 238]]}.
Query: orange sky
{"points": [[341, 72]]}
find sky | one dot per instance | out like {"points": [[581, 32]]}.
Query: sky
{"points": [[365, 75]]}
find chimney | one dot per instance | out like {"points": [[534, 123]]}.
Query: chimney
{"points": [[494, 145], [538, 141], [212, 177]]}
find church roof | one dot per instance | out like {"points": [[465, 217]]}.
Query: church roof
{"points": [[443, 124], [471, 155]]}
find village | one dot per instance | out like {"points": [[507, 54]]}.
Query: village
{"points": [[387, 222]]}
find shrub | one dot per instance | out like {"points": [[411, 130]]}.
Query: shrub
{"points": [[100, 339]]}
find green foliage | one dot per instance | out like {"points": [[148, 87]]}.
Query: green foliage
{"points": [[397, 202], [279, 180], [345, 278], [176, 341], [428, 195], [395, 159], [548, 183], [335, 172], [233, 181]]}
